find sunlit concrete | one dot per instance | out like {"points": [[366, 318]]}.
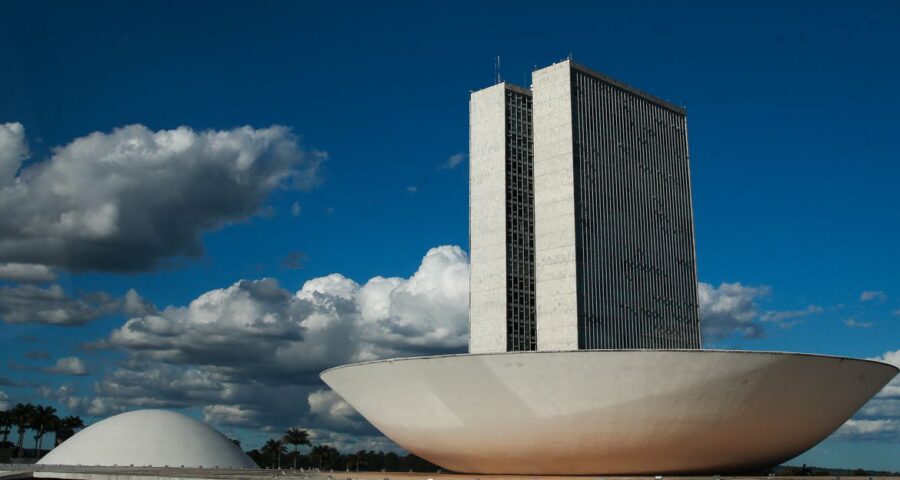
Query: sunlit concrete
{"points": [[157, 438], [633, 412]]}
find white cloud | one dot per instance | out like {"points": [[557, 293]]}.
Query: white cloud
{"points": [[247, 352], [778, 316], [852, 323], [412, 189], [13, 151], [127, 199], [68, 366], [729, 309], [892, 390], [26, 272], [134, 305], [879, 419], [4, 400], [296, 209], [52, 306], [232, 415], [870, 295], [870, 429], [454, 160]]}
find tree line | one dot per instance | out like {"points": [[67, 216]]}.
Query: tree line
{"points": [[40, 420], [274, 454]]}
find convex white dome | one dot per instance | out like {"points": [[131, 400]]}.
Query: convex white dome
{"points": [[154, 438]]}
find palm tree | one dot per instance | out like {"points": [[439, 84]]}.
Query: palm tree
{"points": [[22, 415], [6, 424], [276, 448], [66, 428], [296, 437], [43, 421], [325, 454]]}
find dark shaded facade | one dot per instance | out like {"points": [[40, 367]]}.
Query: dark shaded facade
{"points": [[635, 254], [521, 326]]}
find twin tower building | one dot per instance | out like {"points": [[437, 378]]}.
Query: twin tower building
{"points": [[581, 225]]}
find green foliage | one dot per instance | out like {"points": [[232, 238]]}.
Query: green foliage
{"points": [[40, 420], [325, 457]]}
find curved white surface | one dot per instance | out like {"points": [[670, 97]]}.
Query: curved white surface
{"points": [[156, 438], [609, 412]]}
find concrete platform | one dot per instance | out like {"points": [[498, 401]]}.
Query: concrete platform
{"points": [[50, 472]]}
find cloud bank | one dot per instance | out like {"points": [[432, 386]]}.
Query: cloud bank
{"points": [[127, 199], [51, 305], [249, 354]]}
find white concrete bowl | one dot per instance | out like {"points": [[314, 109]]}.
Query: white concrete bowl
{"points": [[609, 412]]}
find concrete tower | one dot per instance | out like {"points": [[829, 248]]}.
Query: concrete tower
{"points": [[501, 221], [614, 231], [581, 225]]}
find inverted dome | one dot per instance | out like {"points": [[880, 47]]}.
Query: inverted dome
{"points": [[154, 438]]}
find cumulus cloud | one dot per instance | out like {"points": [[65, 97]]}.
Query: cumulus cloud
{"points": [[879, 419], [127, 199], [247, 352], [296, 209], [51, 305], [13, 151], [26, 273], [454, 160], [729, 309], [870, 295], [68, 366], [134, 305]]}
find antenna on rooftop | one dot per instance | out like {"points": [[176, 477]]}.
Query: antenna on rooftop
{"points": [[497, 69], [570, 56]]}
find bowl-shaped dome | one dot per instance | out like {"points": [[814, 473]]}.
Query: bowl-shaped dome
{"points": [[609, 412], [155, 438]]}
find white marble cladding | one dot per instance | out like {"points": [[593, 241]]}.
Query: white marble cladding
{"points": [[556, 295], [487, 220]]}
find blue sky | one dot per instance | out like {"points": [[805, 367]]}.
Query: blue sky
{"points": [[792, 112]]}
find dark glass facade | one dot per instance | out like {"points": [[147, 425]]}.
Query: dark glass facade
{"points": [[520, 309], [637, 285]]}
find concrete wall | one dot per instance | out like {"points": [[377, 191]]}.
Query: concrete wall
{"points": [[487, 220], [554, 210], [627, 412]]}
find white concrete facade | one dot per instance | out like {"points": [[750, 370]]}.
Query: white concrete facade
{"points": [[487, 220], [625, 412], [149, 438], [556, 295]]}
